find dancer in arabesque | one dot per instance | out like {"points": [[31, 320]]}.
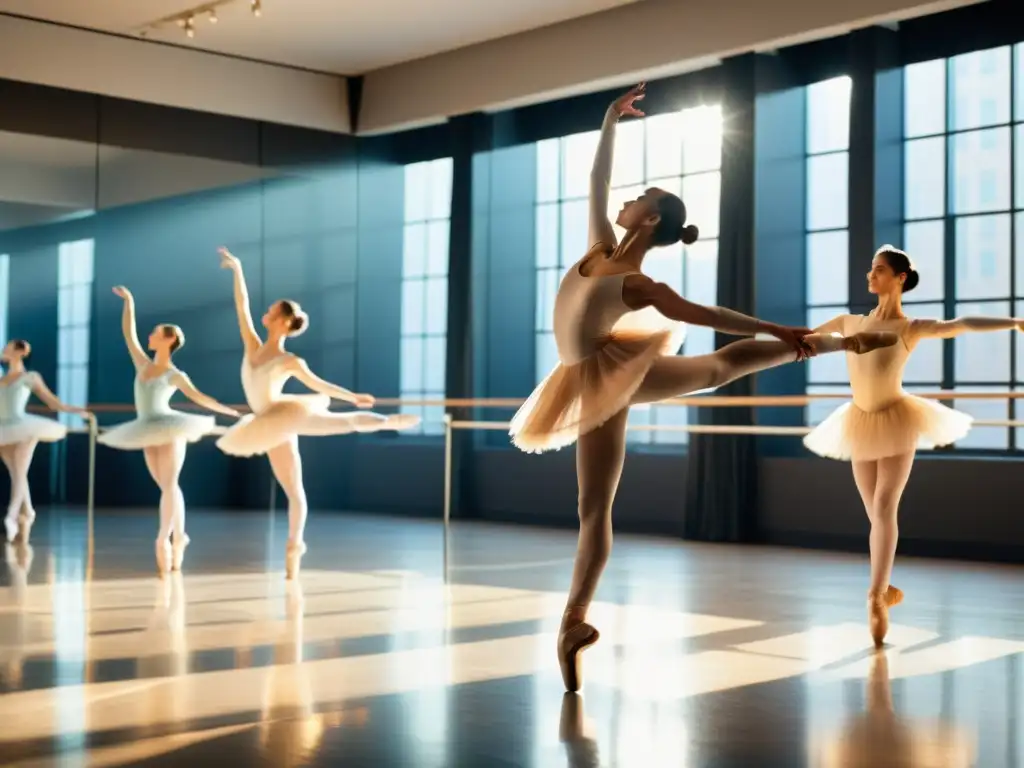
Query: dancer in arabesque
{"points": [[617, 333]]}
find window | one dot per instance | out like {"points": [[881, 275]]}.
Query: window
{"points": [[680, 152], [428, 200], [74, 316], [958, 204], [5, 296], [826, 242]]}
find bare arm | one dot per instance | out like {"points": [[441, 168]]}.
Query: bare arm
{"points": [[250, 340], [639, 291], [835, 325], [301, 371], [188, 389], [131, 336], [948, 329], [51, 400], [601, 173]]}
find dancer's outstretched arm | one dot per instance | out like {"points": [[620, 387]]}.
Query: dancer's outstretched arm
{"points": [[835, 325], [188, 389], [601, 230], [300, 370], [131, 336], [947, 329], [640, 291], [250, 339], [52, 402]]}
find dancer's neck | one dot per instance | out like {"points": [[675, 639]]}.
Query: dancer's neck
{"points": [[631, 251], [889, 307], [15, 366], [275, 342], [162, 359]]}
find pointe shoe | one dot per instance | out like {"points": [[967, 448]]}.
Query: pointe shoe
{"points": [[571, 643], [869, 341], [25, 524], [878, 617], [400, 421], [893, 596], [11, 524], [163, 558], [179, 552], [292, 558]]}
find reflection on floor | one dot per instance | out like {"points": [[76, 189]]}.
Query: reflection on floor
{"points": [[399, 647]]}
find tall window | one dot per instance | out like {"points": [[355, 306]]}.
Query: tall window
{"points": [[680, 152], [827, 219], [5, 296], [959, 223], [74, 314], [428, 205]]}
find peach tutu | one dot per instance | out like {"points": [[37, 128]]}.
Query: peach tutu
{"points": [[575, 399], [851, 433]]}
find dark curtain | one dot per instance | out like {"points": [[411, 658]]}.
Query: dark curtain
{"points": [[721, 478]]}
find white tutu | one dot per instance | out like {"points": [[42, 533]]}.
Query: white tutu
{"points": [[158, 429], [301, 416], [30, 427]]}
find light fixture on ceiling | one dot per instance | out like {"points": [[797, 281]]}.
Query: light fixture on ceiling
{"points": [[257, 7], [186, 20], [213, 15], [190, 26]]}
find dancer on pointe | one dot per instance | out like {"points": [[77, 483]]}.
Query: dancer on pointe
{"points": [[278, 420], [880, 431], [20, 432], [613, 355], [159, 431]]}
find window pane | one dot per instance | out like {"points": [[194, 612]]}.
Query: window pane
{"points": [[412, 364], [818, 410], [665, 265], [701, 271], [618, 197], [412, 307], [440, 188], [437, 247], [547, 170], [64, 273], [993, 438], [414, 250], [64, 346], [63, 383], [1019, 253], [827, 191], [574, 231], [979, 88], [983, 357], [546, 355], [924, 242], [434, 363], [1018, 164], [1018, 79], [980, 168], [628, 159], [828, 115], [828, 280], [415, 410], [925, 365], [673, 416], [416, 191], [702, 139], [547, 287], [79, 346], [577, 159], [924, 187], [79, 385], [827, 368], [639, 415], [664, 145], [433, 415], [64, 299], [983, 257], [547, 235], [1018, 339], [437, 305], [80, 304], [702, 195], [924, 98]]}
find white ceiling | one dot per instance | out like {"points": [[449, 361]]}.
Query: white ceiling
{"points": [[345, 37]]}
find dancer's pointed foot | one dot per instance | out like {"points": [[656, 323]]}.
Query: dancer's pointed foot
{"points": [[878, 617], [572, 641], [178, 548], [163, 557], [25, 523], [292, 558], [400, 421], [893, 596], [11, 526], [869, 341]]}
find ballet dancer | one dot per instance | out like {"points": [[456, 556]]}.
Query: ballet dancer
{"points": [[159, 431], [278, 420], [617, 332], [20, 432], [881, 429]]}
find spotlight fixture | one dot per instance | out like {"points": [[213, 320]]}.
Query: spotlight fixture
{"points": [[213, 15], [257, 7], [190, 26], [186, 20]]}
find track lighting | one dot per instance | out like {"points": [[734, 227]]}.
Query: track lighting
{"points": [[190, 26], [257, 7], [213, 15], [186, 20]]}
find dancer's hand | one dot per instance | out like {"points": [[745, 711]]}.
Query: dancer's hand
{"points": [[123, 293], [227, 260], [363, 401], [624, 104], [792, 336]]}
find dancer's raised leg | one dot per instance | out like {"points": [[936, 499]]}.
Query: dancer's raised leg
{"points": [[286, 464]]}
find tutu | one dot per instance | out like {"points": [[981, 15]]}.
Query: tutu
{"points": [[30, 427], [909, 423], [575, 399], [157, 430]]}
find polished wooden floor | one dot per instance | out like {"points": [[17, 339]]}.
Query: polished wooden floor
{"points": [[399, 648]]}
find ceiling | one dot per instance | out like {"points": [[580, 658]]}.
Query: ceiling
{"points": [[344, 37]]}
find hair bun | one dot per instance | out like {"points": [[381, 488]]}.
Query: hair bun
{"points": [[689, 234], [913, 278]]}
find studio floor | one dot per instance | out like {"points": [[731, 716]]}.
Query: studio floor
{"points": [[398, 648]]}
